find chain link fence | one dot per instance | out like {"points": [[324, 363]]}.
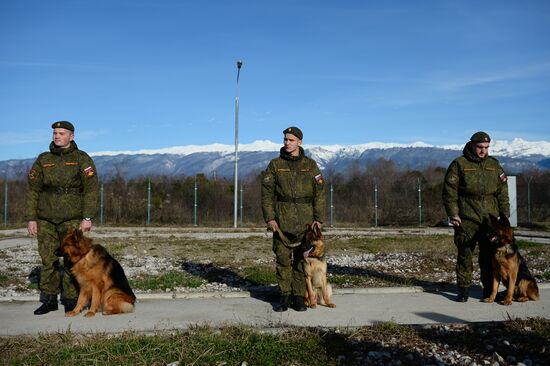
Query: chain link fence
{"points": [[362, 199]]}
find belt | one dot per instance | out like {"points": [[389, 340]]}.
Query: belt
{"points": [[62, 190], [295, 199]]}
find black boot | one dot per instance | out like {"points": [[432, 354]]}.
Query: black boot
{"points": [[299, 304], [69, 304], [49, 303], [463, 294], [283, 304]]}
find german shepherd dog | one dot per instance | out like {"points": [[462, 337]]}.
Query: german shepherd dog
{"points": [[100, 277], [318, 290], [509, 266]]}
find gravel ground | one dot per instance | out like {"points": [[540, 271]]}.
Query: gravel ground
{"points": [[495, 344], [374, 269], [459, 344]]}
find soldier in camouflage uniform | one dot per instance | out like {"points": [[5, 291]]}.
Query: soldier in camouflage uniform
{"points": [[475, 187], [292, 196], [62, 194]]}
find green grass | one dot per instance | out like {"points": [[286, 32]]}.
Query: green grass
{"points": [[5, 280], [522, 244], [166, 281], [260, 276], [281, 346], [346, 281], [201, 346]]}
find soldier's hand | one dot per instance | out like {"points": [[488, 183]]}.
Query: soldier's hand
{"points": [[86, 225], [32, 228], [456, 221], [272, 225]]}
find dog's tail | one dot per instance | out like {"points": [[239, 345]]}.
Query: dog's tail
{"points": [[533, 290], [119, 303], [126, 307]]}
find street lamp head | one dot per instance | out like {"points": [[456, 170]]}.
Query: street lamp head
{"points": [[239, 64]]}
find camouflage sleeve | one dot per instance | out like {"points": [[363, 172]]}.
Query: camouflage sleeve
{"points": [[90, 186], [268, 192], [35, 180], [319, 205], [450, 190], [502, 193]]}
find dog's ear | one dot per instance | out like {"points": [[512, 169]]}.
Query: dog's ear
{"points": [[504, 220], [77, 235], [493, 220], [317, 230]]}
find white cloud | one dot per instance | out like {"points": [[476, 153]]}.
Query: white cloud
{"points": [[523, 72]]}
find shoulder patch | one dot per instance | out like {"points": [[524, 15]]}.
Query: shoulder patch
{"points": [[503, 177], [319, 179], [32, 174], [452, 179], [89, 171]]}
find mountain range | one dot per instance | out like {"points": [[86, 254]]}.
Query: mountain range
{"points": [[217, 160]]}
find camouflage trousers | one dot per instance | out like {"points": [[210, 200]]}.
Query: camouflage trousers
{"points": [[466, 238], [49, 239], [289, 264]]}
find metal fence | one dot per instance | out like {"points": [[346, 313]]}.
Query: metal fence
{"points": [[163, 202]]}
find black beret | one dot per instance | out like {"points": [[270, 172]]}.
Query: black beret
{"points": [[294, 131], [480, 136], [63, 124]]}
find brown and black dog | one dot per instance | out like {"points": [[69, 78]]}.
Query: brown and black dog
{"points": [[509, 266], [318, 290], [100, 277]]}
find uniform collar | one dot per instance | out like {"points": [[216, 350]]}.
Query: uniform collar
{"points": [[287, 156], [60, 151]]}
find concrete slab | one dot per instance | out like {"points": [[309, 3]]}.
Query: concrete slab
{"points": [[353, 309]]}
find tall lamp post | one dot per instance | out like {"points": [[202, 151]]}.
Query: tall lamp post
{"points": [[239, 65]]}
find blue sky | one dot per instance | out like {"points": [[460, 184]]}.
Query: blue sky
{"points": [[146, 74]]}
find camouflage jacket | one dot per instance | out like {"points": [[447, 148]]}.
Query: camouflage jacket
{"points": [[62, 185], [475, 188], [293, 192]]}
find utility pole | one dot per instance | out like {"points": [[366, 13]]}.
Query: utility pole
{"points": [[239, 65]]}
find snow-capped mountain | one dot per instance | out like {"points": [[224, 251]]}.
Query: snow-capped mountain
{"points": [[218, 159]]}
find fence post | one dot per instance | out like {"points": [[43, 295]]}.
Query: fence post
{"points": [[195, 205], [6, 202], [241, 204], [419, 203], [148, 200], [529, 200], [375, 204], [331, 206], [101, 205]]}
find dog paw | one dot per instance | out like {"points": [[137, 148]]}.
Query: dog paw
{"points": [[488, 300], [70, 313], [313, 306], [331, 305], [507, 302], [89, 314]]}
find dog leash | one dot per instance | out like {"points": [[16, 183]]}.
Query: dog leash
{"points": [[287, 242]]}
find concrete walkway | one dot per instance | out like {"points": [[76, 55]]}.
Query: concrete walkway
{"points": [[354, 308]]}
